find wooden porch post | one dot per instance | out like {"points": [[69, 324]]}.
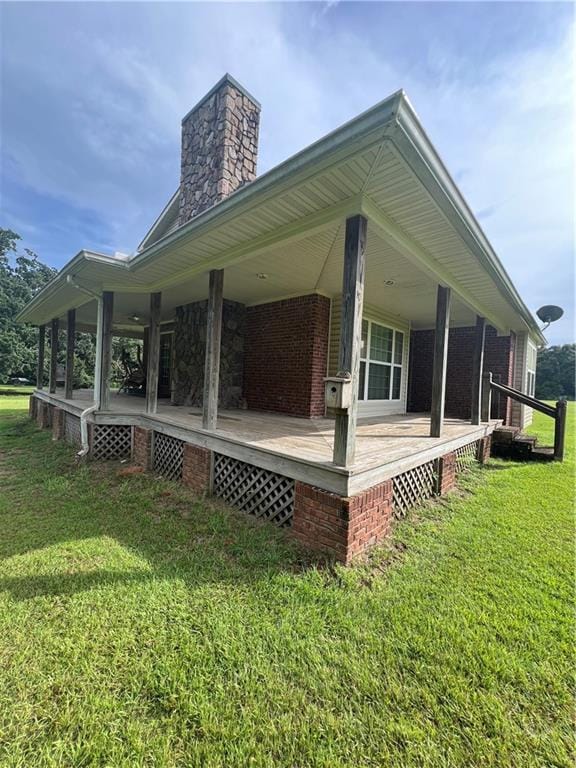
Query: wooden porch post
{"points": [[350, 335], [54, 328], [105, 344], [153, 353], [440, 360], [70, 342], [212, 360], [40, 363], [477, 366]]}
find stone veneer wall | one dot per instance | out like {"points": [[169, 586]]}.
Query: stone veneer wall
{"points": [[190, 351], [219, 147], [498, 358]]}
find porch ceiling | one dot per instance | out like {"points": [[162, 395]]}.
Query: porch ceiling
{"points": [[288, 225]]}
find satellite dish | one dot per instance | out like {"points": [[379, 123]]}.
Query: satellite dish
{"points": [[549, 314]]}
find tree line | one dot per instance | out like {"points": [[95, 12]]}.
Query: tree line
{"points": [[22, 275]]}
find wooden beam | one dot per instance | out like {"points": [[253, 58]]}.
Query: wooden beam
{"points": [[486, 407], [105, 367], [477, 366], [70, 344], [440, 361], [351, 335], [212, 360], [40, 363], [153, 353], [54, 328]]}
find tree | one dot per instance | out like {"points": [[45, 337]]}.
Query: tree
{"points": [[19, 283], [555, 373]]}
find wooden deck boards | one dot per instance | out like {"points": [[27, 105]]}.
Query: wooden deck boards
{"points": [[379, 441]]}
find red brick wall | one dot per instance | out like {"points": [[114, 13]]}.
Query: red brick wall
{"points": [[197, 468], [142, 447], [498, 358], [446, 473], [345, 527], [286, 353]]}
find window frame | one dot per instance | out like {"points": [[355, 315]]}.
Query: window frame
{"points": [[531, 360], [392, 365]]}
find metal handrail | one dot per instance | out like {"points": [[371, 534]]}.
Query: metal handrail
{"points": [[557, 413]]}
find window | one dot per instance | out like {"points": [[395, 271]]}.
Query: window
{"points": [[381, 358], [531, 370]]}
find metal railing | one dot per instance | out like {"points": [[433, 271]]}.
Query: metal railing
{"points": [[558, 412]]}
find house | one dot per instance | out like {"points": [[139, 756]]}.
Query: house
{"points": [[315, 338]]}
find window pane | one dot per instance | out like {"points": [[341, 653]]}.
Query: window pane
{"points": [[398, 348], [364, 344], [379, 382], [361, 380], [380, 343], [397, 378]]}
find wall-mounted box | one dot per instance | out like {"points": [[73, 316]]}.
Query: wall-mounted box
{"points": [[338, 393]]}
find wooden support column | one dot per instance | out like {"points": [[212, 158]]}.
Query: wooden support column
{"points": [[486, 396], [105, 350], [153, 353], [477, 366], [440, 361], [40, 363], [350, 336], [70, 343], [212, 360], [54, 328]]}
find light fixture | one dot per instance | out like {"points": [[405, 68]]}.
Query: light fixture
{"points": [[262, 276], [135, 318], [388, 282]]}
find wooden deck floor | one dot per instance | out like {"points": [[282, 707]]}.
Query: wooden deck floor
{"points": [[380, 440]]}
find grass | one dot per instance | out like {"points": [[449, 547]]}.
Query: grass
{"points": [[143, 626]]}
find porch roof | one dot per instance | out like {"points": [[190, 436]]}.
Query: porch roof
{"points": [[287, 224]]}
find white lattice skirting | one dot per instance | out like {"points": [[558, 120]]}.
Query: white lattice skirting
{"points": [[413, 486], [72, 429], [254, 490], [168, 456], [111, 442], [466, 456]]}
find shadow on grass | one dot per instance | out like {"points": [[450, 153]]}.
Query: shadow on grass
{"points": [[50, 501]]}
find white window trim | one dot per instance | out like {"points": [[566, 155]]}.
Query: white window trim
{"points": [[530, 384], [391, 406]]}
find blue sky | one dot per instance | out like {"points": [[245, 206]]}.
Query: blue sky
{"points": [[93, 95]]}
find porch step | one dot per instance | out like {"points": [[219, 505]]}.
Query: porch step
{"points": [[510, 442]]}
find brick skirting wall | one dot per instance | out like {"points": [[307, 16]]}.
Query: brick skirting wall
{"points": [[498, 358], [286, 355], [142, 447], [446, 473], [197, 468], [344, 526], [58, 423]]}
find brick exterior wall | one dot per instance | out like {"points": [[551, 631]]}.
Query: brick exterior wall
{"points": [[197, 468], [344, 527], [446, 473], [498, 358], [484, 448], [286, 356], [219, 147], [142, 447], [58, 423]]}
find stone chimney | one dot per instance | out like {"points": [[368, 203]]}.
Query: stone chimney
{"points": [[219, 147]]}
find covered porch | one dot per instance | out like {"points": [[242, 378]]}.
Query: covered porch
{"points": [[385, 445]]}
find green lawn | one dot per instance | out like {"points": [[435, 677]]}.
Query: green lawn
{"points": [[143, 626]]}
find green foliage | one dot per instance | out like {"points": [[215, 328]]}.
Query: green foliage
{"points": [[19, 283], [555, 373], [141, 625]]}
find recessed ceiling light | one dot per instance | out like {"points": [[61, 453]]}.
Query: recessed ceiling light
{"points": [[262, 276], [388, 282], [135, 318]]}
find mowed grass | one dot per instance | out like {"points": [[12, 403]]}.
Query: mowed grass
{"points": [[143, 626]]}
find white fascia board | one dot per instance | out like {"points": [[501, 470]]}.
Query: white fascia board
{"points": [[158, 222], [411, 140]]}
